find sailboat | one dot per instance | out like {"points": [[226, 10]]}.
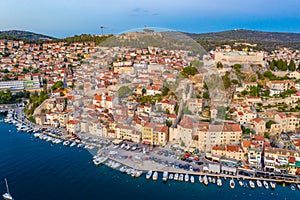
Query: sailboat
{"points": [[7, 196]]}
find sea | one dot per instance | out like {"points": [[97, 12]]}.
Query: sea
{"points": [[39, 170]]}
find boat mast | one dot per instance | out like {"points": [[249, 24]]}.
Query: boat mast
{"points": [[6, 186]]}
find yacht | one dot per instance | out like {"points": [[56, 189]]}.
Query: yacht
{"points": [[219, 182], [138, 173], [272, 184], [205, 180], [149, 174], [232, 184], [171, 176], [266, 185], [209, 179], [259, 184], [200, 179], [252, 185], [192, 179], [123, 169], [66, 143], [155, 176], [7, 195], [73, 144], [165, 176], [176, 177], [213, 180], [186, 178], [298, 186]]}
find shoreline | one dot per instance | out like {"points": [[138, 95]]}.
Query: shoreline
{"points": [[147, 165]]}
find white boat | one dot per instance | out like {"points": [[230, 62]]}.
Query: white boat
{"points": [[219, 182], [200, 179], [66, 143], [259, 184], [123, 169], [176, 176], [292, 187], [272, 184], [213, 180], [192, 179], [181, 177], [99, 160], [252, 185], [155, 176], [7, 195], [266, 185], [232, 184], [205, 180], [171, 176], [241, 183], [298, 186], [186, 178], [165, 176], [73, 144], [138, 173], [209, 179], [149, 174]]}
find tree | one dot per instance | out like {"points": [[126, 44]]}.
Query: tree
{"points": [[123, 91], [169, 123], [144, 91], [226, 81], [206, 95], [292, 66], [237, 66], [165, 91], [254, 91], [219, 65], [298, 66], [58, 85], [272, 65], [269, 123], [268, 74]]}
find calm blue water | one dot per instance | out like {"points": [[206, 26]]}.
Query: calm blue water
{"points": [[37, 170]]}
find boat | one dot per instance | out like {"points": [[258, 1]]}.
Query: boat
{"points": [[176, 177], [155, 176], [219, 182], [192, 179], [73, 144], [165, 176], [123, 169], [209, 179], [272, 184], [292, 187], [186, 178], [266, 185], [66, 143], [213, 180], [99, 160], [232, 184], [200, 179], [138, 173], [149, 174], [298, 186], [252, 185], [205, 180], [241, 183], [7, 195], [259, 184], [181, 177], [171, 176]]}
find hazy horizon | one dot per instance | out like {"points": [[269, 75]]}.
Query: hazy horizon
{"points": [[61, 18]]}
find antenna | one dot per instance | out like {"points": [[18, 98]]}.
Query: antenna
{"points": [[102, 27]]}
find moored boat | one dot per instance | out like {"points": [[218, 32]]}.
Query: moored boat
{"points": [[219, 182], [241, 183], [181, 177], [266, 185], [298, 186], [200, 179], [192, 179], [171, 176], [155, 176], [205, 180], [259, 184], [232, 184], [252, 185], [186, 178], [176, 176], [149, 174], [272, 184], [292, 186], [165, 176]]}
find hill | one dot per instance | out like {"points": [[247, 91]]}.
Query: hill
{"points": [[24, 35], [264, 40]]}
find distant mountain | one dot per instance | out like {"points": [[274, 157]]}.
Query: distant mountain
{"points": [[24, 35], [264, 40]]}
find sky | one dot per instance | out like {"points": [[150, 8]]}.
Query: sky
{"points": [[61, 18]]}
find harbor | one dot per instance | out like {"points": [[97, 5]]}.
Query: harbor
{"points": [[136, 161], [77, 162]]}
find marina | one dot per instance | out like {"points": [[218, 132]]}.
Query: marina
{"points": [[175, 175]]}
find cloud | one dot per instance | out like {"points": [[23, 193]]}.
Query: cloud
{"points": [[140, 10]]}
